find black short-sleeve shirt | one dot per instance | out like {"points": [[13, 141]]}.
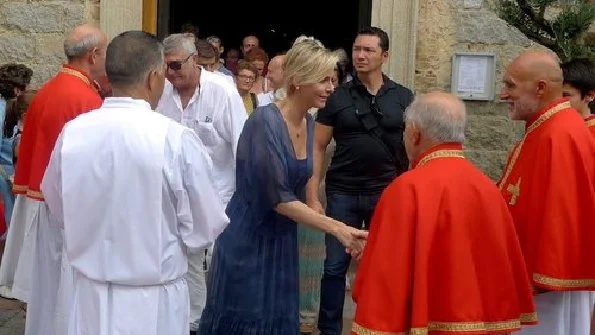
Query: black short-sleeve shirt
{"points": [[362, 164]]}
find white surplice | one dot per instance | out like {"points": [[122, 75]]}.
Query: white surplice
{"points": [[45, 275], [16, 270], [133, 192], [562, 313], [217, 114]]}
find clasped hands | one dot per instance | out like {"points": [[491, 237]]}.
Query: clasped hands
{"points": [[354, 240]]}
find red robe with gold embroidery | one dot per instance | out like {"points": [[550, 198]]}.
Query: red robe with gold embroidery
{"points": [[591, 124], [549, 186], [442, 256], [60, 100]]}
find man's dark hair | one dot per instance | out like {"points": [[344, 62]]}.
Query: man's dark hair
{"points": [[205, 49], [189, 27], [340, 74], [13, 76], [130, 56], [580, 74], [375, 31], [15, 111]]}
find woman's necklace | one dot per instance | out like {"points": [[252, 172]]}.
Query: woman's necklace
{"points": [[297, 132]]}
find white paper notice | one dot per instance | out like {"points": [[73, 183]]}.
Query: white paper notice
{"points": [[473, 73]]}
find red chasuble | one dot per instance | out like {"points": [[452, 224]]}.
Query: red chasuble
{"points": [[591, 124], [549, 186], [60, 100], [442, 256]]}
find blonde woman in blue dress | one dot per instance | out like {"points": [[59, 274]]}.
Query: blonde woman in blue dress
{"points": [[254, 283]]}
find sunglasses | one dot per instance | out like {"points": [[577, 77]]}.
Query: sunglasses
{"points": [[177, 65]]}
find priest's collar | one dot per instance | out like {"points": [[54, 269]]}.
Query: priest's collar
{"points": [[72, 70], [445, 150], [546, 112], [126, 102]]}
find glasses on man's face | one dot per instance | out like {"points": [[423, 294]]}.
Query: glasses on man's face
{"points": [[177, 65], [246, 78]]}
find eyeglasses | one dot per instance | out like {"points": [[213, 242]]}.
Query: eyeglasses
{"points": [[246, 78], [177, 65]]}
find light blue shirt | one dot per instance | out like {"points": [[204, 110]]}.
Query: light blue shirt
{"points": [[6, 144], [225, 71], [2, 114]]}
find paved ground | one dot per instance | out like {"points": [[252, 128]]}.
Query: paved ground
{"points": [[12, 317]]}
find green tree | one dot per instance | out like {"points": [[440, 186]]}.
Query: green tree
{"points": [[565, 33]]}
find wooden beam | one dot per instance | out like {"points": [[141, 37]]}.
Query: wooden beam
{"points": [[150, 16]]}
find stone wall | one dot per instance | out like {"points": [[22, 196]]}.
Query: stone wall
{"points": [[469, 25], [33, 33]]}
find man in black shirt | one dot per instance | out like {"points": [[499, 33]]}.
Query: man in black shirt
{"points": [[365, 117]]}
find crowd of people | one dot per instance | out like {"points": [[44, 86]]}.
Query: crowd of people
{"points": [[160, 190]]}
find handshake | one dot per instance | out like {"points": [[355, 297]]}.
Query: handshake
{"points": [[354, 240]]}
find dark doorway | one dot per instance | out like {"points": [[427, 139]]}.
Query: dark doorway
{"points": [[334, 22]]}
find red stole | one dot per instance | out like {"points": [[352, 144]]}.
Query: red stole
{"points": [[549, 186], [70, 93]]}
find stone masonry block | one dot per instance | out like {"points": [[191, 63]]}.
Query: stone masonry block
{"points": [[489, 133], [472, 3], [75, 14], [490, 162], [17, 48], [32, 17]]}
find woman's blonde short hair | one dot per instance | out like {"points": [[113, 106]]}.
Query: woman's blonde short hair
{"points": [[307, 62]]}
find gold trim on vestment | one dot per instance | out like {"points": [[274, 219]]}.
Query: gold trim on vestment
{"points": [[441, 154], [590, 123], [76, 74], [19, 188], [24, 190], [529, 317], [563, 283], [360, 330], [515, 191], [508, 325], [517, 151]]}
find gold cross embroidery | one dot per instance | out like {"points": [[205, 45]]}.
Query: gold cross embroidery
{"points": [[515, 190]]}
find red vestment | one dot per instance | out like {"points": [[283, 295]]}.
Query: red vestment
{"points": [[549, 185], [70, 93], [591, 124], [442, 256]]}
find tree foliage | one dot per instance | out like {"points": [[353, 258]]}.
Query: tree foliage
{"points": [[564, 33]]}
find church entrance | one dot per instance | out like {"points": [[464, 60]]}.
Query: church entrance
{"points": [[274, 22]]}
